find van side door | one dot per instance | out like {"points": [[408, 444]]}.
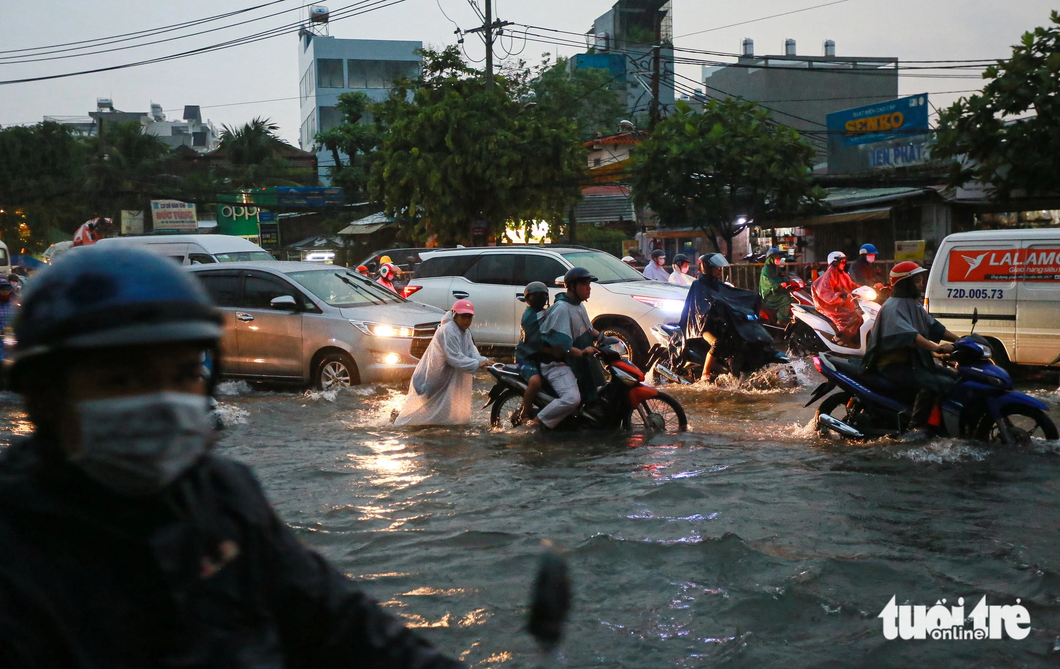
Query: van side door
{"points": [[1038, 303], [976, 274], [226, 290], [270, 340]]}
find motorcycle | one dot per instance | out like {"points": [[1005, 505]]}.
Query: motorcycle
{"points": [[800, 294], [980, 405], [680, 360], [624, 400], [813, 332]]}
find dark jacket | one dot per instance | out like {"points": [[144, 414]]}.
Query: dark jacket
{"points": [[203, 575], [713, 305], [864, 272]]}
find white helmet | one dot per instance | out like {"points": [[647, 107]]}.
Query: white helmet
{"points": [[836, 255]]}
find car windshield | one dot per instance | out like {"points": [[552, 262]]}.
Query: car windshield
{"points": [[604, 266], [243, 256], [345, 289]]}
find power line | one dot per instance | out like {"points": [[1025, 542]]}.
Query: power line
{"points": [[146, 32], [355, 9], [763, 18]]}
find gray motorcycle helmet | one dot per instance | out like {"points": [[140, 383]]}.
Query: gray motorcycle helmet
{"points": [[535, 287]]}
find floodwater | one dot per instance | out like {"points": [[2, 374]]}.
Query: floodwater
{"points": [[747, 541]]}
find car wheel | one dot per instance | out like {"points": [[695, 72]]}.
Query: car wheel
{"points": [[638, 350], [336, 370]]}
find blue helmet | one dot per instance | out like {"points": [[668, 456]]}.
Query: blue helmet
{"points": [[869, 249], [773, 252], [97, 297]]}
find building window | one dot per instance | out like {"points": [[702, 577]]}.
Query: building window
{"points": [[379, 73], [330, 117], [329, 73], [597, 162]]}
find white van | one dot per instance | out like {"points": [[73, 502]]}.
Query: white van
{"points": [[5, 260], [195, 249], [1013, 278]]}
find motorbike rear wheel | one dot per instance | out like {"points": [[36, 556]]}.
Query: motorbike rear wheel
{"points": [[661, 413], [505, 408], [1023, 424], [803, 340]]}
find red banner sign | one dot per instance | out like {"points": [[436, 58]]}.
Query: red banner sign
{"points": [[977, 265]]}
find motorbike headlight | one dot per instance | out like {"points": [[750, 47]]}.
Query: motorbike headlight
{"points": [[669, 306], [870, 294], [987, 352], [384, 330]]}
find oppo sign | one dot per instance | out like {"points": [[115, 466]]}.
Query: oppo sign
{"points": [[235, 212]]}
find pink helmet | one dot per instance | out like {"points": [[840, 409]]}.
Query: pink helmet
{"points": [[463, 307]]}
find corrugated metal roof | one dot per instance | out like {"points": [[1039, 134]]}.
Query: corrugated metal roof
{"points": [[846, 198]]}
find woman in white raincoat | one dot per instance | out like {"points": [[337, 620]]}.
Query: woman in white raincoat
{"points": [[440, 392]]}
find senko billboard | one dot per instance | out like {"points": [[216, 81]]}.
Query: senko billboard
{"points": [[885, 135]]}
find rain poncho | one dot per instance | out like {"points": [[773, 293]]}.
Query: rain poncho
{"points": [[440, 391], [773, 296], [656, 273], [828, 299], [893, 341], [679, 278], [864, 273], [713, 305]]}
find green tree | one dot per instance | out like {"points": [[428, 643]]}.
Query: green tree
{"points": [[123, 168], [708, 170], [455, 153], [356, 137], [254, 151], [1008, 137], [589, 97]]}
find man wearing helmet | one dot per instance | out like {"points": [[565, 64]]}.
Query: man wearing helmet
{"points": [[773, 286], [568, 336], [656, 270], [833, 297], [528, 352], [903, 340], [680, 274], [863, 271], [127, 541]]}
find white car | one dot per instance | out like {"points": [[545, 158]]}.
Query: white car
{"points": [[623, 303]]}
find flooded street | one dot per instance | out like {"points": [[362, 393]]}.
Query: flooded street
{"points": [[747, 541]]}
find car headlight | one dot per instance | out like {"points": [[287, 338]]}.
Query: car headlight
{"points": [[384, 330], [669, 306]]}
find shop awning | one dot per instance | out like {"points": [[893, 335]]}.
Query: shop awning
{"points": [[354, 229], [878, 214]]}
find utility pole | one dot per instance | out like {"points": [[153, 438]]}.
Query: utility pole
{"points": [[487, 29], [654, 113]]}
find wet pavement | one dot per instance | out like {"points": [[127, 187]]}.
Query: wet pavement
{"points": [[747, 541]]}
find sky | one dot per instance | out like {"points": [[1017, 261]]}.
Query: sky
{"points": [[261, 79]]}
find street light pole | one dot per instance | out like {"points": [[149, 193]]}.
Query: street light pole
{"points": [[489, 44]]}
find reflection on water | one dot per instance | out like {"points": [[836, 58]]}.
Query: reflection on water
{"points": [[749, 541]]}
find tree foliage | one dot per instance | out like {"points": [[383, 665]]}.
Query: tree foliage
{"points": [[588, 97], [356, 137], [707, 170], [1009, 135], [454, 152], [254, 152]]}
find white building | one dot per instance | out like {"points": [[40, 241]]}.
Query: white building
{"points": [[330, 67], [188, 131]]}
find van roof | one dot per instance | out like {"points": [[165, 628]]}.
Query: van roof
{"points": [[1004, 235], [511, 248], [209, 243]]}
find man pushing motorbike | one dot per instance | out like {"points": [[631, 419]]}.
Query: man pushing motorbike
{"points": [[726, 318], [903, 340], [567, 330], [833, 297]]}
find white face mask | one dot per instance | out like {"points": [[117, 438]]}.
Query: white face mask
{"points": [[140, 444], [870, 257]]}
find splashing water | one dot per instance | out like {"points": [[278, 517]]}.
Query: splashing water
{"points": [[232, 415], [329, 395], [945, 451], [233, 389]]}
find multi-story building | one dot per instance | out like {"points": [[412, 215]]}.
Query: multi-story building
{"points": [[330, 67], [623, 42], [801, 91], [190, 131]]}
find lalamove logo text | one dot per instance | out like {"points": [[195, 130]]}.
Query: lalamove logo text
{"points": [[941, 623]]}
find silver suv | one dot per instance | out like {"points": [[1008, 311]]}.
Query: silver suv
{"points": [[314, 324], [624, 304]]}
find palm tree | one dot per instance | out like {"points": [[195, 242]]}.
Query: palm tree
{"points": [[252, 143]]}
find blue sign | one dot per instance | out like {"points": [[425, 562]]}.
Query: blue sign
{"points": [[266, 216], [895, 119], [295, 196]]}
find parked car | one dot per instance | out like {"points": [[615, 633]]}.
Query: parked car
{"points": [[1013, 278], [623, 304], [195, 249], [314, 324]]}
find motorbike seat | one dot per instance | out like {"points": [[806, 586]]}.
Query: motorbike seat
{"points": [[872, 380]]}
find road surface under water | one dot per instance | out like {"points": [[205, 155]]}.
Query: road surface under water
{"points": [[747, 541]]}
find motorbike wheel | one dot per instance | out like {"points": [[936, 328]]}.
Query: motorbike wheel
{"points": [[504, 408], [802, 340], [661, 413], [1023, 425]]}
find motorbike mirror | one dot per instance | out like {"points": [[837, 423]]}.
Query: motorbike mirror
{"points": [[975, 318], [560, 282]]}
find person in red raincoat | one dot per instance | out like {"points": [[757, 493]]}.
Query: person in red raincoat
{"points": [[832, 296], [90, 232]]}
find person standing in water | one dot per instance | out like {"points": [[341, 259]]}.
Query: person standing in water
{"points": [[440, 391]]}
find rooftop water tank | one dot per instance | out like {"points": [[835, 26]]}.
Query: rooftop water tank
{"points": [[789, 47], [319, 14], [829, 48], [104, 104], [156, 112], [748, 46]]}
